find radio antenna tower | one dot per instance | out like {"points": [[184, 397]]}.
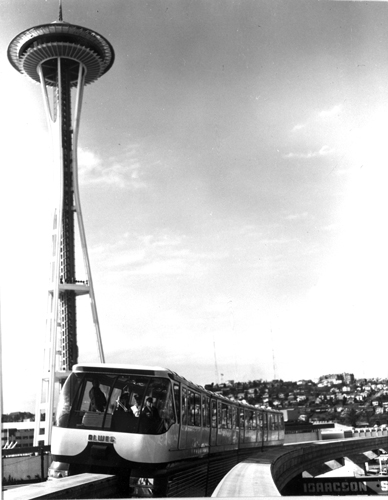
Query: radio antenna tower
{"points": [[215, 362], [63, 58], [273, 357]]}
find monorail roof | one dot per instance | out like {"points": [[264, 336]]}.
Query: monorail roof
{"points": [[113, 367], [133, 369]]}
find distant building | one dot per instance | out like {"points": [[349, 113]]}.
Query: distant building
{"points": [[348, 378], [17, 434], [337, 378], [291, 415]]}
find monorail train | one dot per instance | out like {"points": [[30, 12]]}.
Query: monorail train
{"points": [[158, 432]]}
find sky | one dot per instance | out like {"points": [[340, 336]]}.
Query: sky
{"points": [[233, 178]]}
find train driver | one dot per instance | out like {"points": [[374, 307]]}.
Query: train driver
{"points": [[97, 397], [149, 410], [150, 418]]}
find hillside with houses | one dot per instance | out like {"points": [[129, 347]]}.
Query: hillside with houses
{"points": [[338, 398]]}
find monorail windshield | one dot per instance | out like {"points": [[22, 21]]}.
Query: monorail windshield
{"points": [[119, 403]]}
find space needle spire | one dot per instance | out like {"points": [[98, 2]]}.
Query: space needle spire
{"points": [[60, 18], [62, 58]]}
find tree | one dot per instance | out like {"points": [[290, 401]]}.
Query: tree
{"points": [[351, 417]]}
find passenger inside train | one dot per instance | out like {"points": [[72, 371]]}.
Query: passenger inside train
{"points": [[136, 406]]}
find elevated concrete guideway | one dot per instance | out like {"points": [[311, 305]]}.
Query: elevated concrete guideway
{"points": [[76, 487], [268, 473]]}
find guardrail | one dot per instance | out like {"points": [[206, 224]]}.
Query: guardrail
{"points": [[292, 463], [268, 473], [27, 464]]}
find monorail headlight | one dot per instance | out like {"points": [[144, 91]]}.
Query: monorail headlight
{"points": [[58, 470]]}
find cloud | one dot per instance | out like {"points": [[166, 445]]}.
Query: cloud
{"points": [[325, 113], [335, 110], [162, 241], [277, 241], [299, 126], [124, 172], [324, 151], [297, 216], [164, 266], [154, 255], [331, 227]]}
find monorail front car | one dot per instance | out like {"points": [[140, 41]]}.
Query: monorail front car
{"points": [[152, 427]]}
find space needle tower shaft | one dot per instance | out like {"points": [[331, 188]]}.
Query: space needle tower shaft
{"points": [[62, 58]]}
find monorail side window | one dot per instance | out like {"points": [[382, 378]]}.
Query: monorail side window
{"points": [[224, 413], [177, 402], [206, 411], [194, 408], [161, 395], [213, 406], [225, 417], [198, 410], [260, 425], [228, 419], [234, 417], [265, 426], [241, 419], [247, 420], [184, 406], [219, 415], [190, 407], [254, 421]]}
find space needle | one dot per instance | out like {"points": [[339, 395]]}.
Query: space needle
{"points": [[62, 58]]}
